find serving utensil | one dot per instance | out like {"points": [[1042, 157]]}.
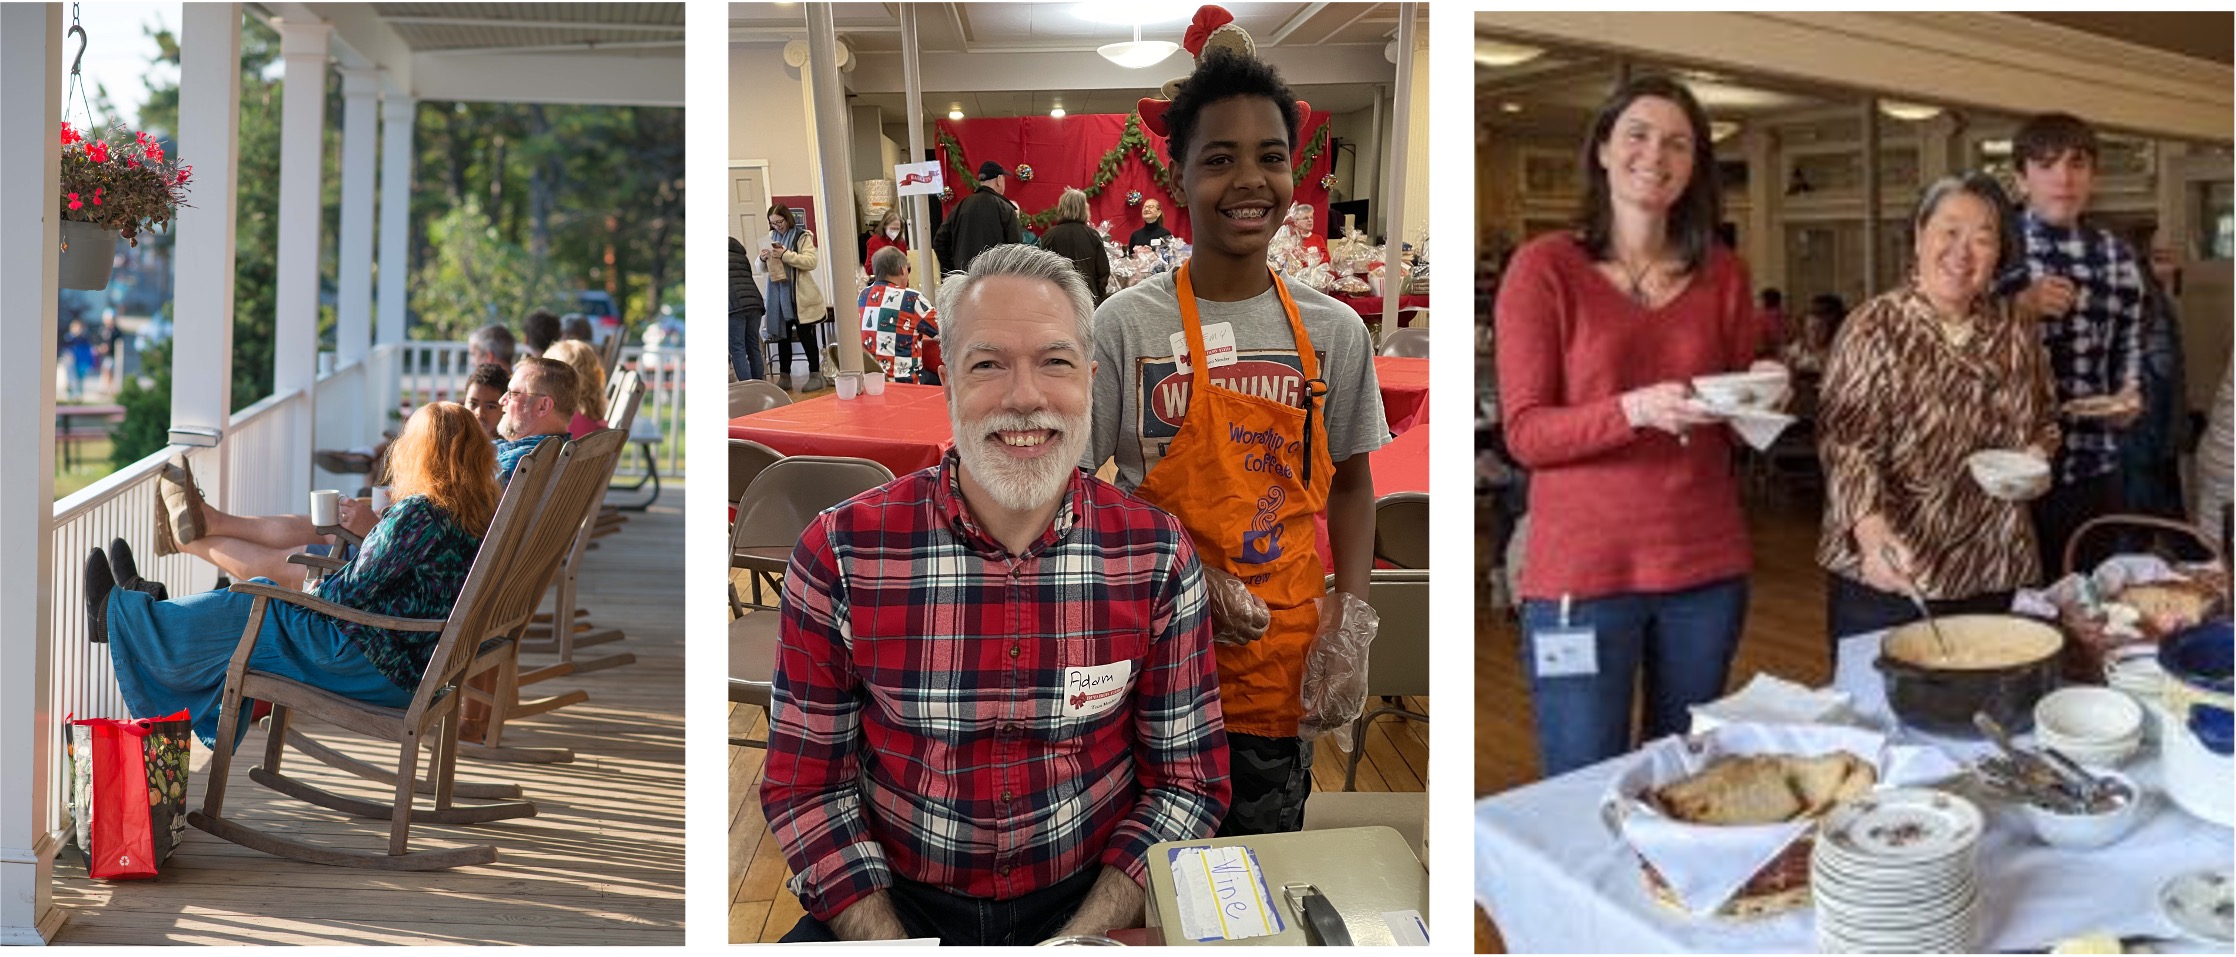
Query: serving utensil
{"points": [[1917, 597]]}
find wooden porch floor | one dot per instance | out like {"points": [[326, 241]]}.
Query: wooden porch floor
{"points": [[600, 863], [761, 909]]}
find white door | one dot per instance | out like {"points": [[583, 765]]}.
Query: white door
{"points": [[749, 203]]}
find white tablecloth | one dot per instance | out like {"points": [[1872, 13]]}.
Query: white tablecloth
{"points": [[1556, 880]]}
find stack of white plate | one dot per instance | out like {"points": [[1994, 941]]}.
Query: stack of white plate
{"points": [[1893, 873]]}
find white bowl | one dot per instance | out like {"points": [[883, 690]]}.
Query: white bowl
{"points": [[2083, 831], [2087, 716], [2102, 756], [1741, 390], [2008, 475]]}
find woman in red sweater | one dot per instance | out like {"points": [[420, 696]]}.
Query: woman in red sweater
{"points": [[1637, 557], [888, 233]]}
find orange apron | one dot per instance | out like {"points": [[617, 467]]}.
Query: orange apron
{"points": [[1246, 475]]}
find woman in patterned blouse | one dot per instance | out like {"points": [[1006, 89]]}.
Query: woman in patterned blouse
{"points": [[1920, 378], [174, 654]]}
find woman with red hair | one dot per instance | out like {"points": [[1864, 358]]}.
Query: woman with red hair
{"points": [[171, 655]]}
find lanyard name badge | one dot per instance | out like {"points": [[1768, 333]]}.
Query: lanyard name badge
{"points": [[1566, 649]]}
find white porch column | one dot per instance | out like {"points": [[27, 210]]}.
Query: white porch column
{"points": [[835, 154], [295, 327], [209, 138], [353, 312], [30, 155], [397, 114]]}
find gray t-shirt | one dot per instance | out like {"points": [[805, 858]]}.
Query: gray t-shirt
{"points": [[1139, 406]]}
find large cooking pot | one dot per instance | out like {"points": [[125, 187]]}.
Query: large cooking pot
{"points": [[2197, 735], [2000, 664]]}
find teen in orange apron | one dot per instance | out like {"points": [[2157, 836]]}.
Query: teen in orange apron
{"points": [[1246, 476]]}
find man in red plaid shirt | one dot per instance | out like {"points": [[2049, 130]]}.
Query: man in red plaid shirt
{"points": [[994, 684]]}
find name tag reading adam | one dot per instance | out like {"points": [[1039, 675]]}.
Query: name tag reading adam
{"points": [[1221, 894], [1094, 689]]}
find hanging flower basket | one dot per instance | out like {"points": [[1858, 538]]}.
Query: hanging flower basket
{"points": [[108, 191], [88, 255]]}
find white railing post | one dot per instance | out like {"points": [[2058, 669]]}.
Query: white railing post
{"points": [[209, 140], [30, 153], [303, 45]]}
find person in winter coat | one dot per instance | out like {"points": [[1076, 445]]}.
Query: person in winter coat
{"points": [[746, 313], [1073, 239], [984, 219]]}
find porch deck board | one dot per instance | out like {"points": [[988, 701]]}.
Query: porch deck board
{"points": [[600, 863]]}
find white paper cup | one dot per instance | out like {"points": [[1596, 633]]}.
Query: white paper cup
{"points": [[873, 383], [380, 499], [326, 507], [849, 384]]}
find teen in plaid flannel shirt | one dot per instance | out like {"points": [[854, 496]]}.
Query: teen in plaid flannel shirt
{"points": [[2086, 287]]}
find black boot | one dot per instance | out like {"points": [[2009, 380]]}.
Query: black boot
{"points": [[127, 572], [98, 584]]}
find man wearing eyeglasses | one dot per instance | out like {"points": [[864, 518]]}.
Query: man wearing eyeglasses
{"points": [[538, 403]]}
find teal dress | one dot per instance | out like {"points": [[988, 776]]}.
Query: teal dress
{"points": [[173, 655]]}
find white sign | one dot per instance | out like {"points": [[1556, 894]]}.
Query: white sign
{"points": [[1222, 895], [915, 179]]}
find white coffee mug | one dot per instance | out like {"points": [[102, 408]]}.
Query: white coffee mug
{"points": [[326, 507], [873, 383], [380, 499], [849, 384]]}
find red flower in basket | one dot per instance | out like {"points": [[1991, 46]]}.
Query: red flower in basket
{"points": [[97, 151], [96, 195], [74, 204], [69, 135]]}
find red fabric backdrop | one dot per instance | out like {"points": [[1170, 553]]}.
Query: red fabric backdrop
{"points": [[1064, 152]]}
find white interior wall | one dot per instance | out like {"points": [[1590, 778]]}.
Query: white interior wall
{"points": [[768, 118]]}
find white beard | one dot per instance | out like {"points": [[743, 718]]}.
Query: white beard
{"points": [[508, 428], [1020, 484]]}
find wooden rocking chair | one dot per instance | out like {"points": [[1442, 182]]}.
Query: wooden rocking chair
{"points": [[559, 538], [487, 604], [567, 627]]}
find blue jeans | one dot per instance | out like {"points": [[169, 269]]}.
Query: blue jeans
{"points": [[745, 350], [1683, 640], [928, 911]]}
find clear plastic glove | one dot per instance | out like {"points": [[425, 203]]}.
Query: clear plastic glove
{"points": [[1237, 617], [1334, 691]]}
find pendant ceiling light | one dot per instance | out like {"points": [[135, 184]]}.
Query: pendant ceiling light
{"points": [[1137, 53]]}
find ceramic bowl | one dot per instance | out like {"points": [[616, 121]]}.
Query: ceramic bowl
{"points": [[2083, 831], [2008, 475], [1741, 390], [2088, 715]]}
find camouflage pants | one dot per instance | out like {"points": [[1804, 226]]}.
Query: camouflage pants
{"points": [[1272, 777]]}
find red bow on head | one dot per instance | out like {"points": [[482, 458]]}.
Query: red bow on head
{"points": [[1209, 17]]}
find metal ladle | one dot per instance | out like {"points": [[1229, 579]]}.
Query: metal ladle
{"points": [[1917, 597]]}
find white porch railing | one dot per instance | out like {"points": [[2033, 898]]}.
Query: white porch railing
{"points": [[246, 475], [426, 371]]}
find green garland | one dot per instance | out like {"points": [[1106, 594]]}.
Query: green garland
{"points": [[1131, 142]]}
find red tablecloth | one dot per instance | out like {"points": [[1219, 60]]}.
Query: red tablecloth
{"points": [[1405, 391], [1369, 308], [905, 429], [1401, 466]]}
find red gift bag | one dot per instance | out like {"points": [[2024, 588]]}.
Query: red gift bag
{"points": [[128, 792]]}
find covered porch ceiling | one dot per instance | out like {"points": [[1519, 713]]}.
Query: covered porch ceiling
{"points": [[606, 54]]}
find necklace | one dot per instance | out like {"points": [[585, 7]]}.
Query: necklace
{"points": [[1637, 280]]}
